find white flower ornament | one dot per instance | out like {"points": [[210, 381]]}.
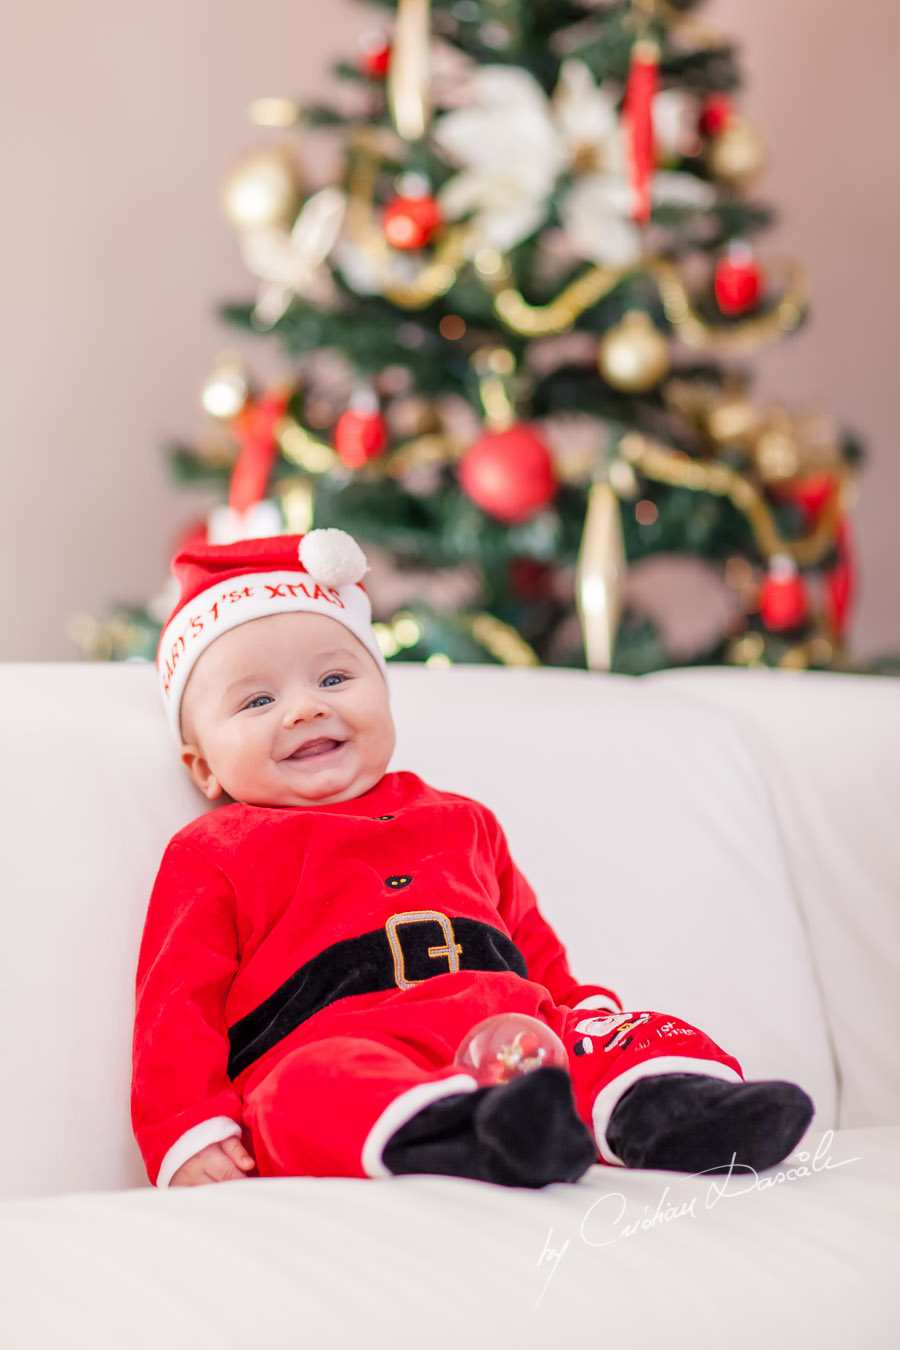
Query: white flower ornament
{"points": [[512, 143], [293, 263]]}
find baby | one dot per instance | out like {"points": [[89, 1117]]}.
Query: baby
{"points": [[316, 949]]}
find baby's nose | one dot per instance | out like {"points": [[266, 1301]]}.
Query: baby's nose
{"points": [[304, 707]]}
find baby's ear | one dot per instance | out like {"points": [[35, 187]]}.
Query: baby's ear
{"points": [[200, 771]]}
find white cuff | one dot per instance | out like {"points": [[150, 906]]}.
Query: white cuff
{"points": [[402, 1109], [599, 1001], [608, 1097], [211, 1131]]}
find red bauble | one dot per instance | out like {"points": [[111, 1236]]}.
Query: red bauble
{"points": [[359, 436], [813, 493], [738, 281], [509, 474], [509, 1046], [715, 114], [411, 222], [375, 59], [783, 602]]}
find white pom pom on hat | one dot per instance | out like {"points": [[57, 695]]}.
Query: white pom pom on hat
{"points": [[332, 557], [225, 585]]}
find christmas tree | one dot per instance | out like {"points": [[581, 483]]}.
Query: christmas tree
{"points": [[516, 327]]}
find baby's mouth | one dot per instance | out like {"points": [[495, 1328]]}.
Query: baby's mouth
{"points": [[312, 749]]}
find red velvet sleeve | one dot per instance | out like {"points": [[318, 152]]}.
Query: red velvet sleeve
{"points": [[544, 954], [187, 961]]}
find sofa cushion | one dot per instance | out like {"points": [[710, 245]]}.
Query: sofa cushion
{"points": [[803, 1256]]}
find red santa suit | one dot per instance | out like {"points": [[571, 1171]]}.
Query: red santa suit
{"points": [[308, 974]]}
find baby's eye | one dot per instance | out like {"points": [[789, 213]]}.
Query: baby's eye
{"points": [[259, 701], [331, 680]]}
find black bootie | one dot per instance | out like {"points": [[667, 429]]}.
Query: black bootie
{"points": [[525, 1133], [687, 1122]]}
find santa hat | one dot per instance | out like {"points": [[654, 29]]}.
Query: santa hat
{"points": [[224, 585]]}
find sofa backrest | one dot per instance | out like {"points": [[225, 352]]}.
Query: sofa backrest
{"points": [[647, 830], [641, 816], [828, 747]]}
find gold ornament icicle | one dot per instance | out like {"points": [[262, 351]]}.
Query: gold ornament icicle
{"points": [[600, 576], [408, 76], [661, 464]]}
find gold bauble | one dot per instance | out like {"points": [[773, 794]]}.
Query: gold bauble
{"points": [[633, 355], [735, 156], [731, 419], [795, 658], [413, 416], [777, 455], [226, 390], [747, 651], [262, 189]]}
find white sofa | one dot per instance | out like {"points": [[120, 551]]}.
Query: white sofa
{"points": [[721, 844]]}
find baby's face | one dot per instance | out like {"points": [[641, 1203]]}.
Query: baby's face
{"points": [[289, 710]]}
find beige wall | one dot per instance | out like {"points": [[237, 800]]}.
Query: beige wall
{"points": [[119, 121]]}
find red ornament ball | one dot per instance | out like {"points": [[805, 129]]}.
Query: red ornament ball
{"points": [[738, 281], [812, 494], [783, 601], [359, 437], [509, 474], [375, 58], [411, 222], [508, 1046], [715, 114]]}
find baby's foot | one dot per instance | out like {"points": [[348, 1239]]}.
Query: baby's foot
{"points": [[686, 1122], [525, 1133]]}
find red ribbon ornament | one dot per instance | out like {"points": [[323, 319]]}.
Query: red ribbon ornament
{"points": [[254, 428], [638, 111], [840, 582]]}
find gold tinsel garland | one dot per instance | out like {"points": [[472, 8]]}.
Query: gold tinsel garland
{"points": [[502, 640], [662, 465], [558, 315], [561, 314], [734, 338]]}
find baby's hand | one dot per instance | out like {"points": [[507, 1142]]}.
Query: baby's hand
{"points": [[217, 1162]]}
